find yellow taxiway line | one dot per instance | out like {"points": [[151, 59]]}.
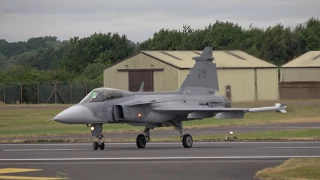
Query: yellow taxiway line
{"points": [[21, 170]]}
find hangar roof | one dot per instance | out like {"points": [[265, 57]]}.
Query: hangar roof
{"points": [[223, 59], [309, 59]]}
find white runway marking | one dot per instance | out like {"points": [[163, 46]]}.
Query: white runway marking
{"points": [[156, 158]]}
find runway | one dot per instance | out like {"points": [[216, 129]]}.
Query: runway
{"points": [[205, 160]]}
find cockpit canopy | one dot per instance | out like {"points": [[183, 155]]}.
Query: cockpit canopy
{"points": [[101, 94]]}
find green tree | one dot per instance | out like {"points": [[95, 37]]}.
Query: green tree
{"points": [[94, 70], [3, 61], [276, 44], [222, 34], [98, 48]]}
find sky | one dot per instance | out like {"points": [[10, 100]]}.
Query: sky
{"points": [[140, 19]]}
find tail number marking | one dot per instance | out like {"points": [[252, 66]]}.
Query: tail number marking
{"points": [[202, 73]]}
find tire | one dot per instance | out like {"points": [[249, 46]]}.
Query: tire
{"points": [[187, 141], [141, 141], [101, 146], [95, 145]]}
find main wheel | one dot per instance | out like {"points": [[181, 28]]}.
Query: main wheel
{"points": [[187, 141], [101, 146], [141, 141], [95, 145]]}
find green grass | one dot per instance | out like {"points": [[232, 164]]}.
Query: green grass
{"points": [[295, 168], [34, 122], [300, 134]]}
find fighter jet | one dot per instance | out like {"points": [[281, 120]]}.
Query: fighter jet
{"points": [[195, 99]]}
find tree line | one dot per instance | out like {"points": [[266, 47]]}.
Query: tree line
{"points": [[47, 58]]}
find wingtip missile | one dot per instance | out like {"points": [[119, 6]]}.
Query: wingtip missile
{"points": [[282, 107]]}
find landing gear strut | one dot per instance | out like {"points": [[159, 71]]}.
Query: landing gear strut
{"points": [[96, 130], [143, 139], [186, 139]]}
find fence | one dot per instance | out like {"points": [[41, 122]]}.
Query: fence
{"points": [[46, 92]]}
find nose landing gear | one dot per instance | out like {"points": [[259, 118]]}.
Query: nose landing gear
{"points": [[96, 130], [99, 144]]}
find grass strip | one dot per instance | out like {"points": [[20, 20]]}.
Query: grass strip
{"points": [[294, 168], [37, 122]]}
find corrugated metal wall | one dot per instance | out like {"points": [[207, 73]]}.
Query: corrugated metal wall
{"points": [[267, 84], [242, 82], [299, 74], [299, 90], [114, 79], [299, 82], [166, 80]]}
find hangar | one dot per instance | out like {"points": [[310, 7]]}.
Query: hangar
{"points": [[300, 78], [242, 77]]}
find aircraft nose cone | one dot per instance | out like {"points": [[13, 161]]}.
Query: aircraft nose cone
{"points": [[71, 115]]}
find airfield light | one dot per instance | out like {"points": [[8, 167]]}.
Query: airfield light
{"points": [[139, 114], [231, 132], [92, 128]]}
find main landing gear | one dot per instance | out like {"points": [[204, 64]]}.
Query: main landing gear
{"points": [[186, 139], [143, 139], [96, 130]]}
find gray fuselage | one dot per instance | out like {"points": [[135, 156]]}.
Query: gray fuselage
{"points": [[136, 108]]}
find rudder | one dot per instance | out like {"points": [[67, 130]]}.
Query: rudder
{"points": [[203, 77]]}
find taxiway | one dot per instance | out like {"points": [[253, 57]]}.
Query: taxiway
{"points": [[205, 160]]}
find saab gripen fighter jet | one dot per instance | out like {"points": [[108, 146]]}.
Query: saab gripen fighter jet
{"points": [[194, 100]]}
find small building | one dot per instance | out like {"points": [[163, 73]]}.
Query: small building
{"points": [[300, 78], [241, 76]]}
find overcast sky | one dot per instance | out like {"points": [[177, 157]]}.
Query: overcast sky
{"points": [[139, 19]]}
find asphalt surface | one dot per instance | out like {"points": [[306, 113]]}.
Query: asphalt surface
{"points": [[205, 160]]}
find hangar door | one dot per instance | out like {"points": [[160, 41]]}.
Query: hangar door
{"points": [[137, 77]]}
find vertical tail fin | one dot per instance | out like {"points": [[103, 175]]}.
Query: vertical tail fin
{"points": [[203, 77]]}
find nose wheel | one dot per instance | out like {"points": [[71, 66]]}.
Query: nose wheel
{"points": [[98, 145]]}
